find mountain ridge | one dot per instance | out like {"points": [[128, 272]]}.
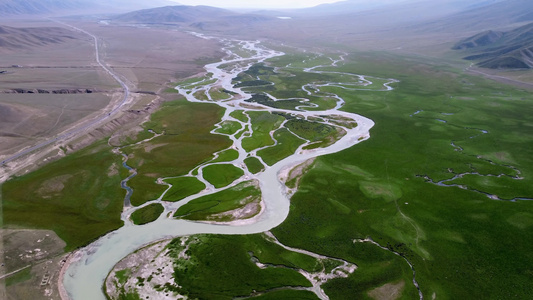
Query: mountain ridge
{"points": [[498, 15], [16, 39], [177, 13], [10, 8], [198, 17], [499, 49]]}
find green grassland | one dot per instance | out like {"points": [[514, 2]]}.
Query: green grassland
{"points": [[263, 99], [229, 127], [437, 123], [183, 145], [438, 128], [70, 196], [182, 187], [239, 115], [286, 146], [221, 175], [201, 95], [200, 276], [286, 85], [262, 124], [254, 165], [462, 244], [287, 294], [255, 71], [21, 276], [226, 155], [147, 214], [322, 135], [252, 83], [207, 207], [218, 94]]}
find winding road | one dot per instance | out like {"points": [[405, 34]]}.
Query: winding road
{"points": [[75, 131]]}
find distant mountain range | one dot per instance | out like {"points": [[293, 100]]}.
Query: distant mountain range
{"points": [[500, 13], [497, 49], [36, 7], [406, 9], [486, 16], [20, 7], [16, 39], [344, 7], [175, 14], [202, 17]]}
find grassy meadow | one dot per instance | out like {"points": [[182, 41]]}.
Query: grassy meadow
{"points": [[462, 243], [79, 196], [182, 187], [467, 236], [183, 145], [213, 207], [200, 276], [147, 214], [221, 175]]}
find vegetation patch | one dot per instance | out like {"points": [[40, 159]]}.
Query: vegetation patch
{"points": [[215, 207], [200, 277], [453, 232], [226, 155], [287, 294], [68, 197], [252, 83], [219, 94], [21, 276], [254, 165], [182, 187], [188, 142], [229, 127], [239, 115], [147, 214], [262, 124], [287, 144], [221, 175], [321, 135], [281, 104]]}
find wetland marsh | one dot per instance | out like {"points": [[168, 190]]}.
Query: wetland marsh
{"points": [[264, 209], [434, 204]]}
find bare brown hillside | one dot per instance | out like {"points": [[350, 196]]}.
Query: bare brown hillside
{"points": [[16, 39]]}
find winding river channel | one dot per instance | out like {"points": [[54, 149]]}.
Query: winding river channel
{"points": [[89, 266]]}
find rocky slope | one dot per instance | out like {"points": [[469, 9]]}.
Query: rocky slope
{"points": [[495, 49]]}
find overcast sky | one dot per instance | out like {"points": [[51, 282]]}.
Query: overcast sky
{"points": [[256, 3]]}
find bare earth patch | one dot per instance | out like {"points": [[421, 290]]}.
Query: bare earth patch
{"points": [[39, 253], [54, 185], [291, 176], [146, 59], [389, 291], [113, 170], [149, 147], [248, 211], [134, 275]]}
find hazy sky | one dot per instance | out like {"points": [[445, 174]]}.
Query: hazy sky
{"points": [[257, 3]]}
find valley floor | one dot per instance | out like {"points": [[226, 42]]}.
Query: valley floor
{"points": [[254, 173]]}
